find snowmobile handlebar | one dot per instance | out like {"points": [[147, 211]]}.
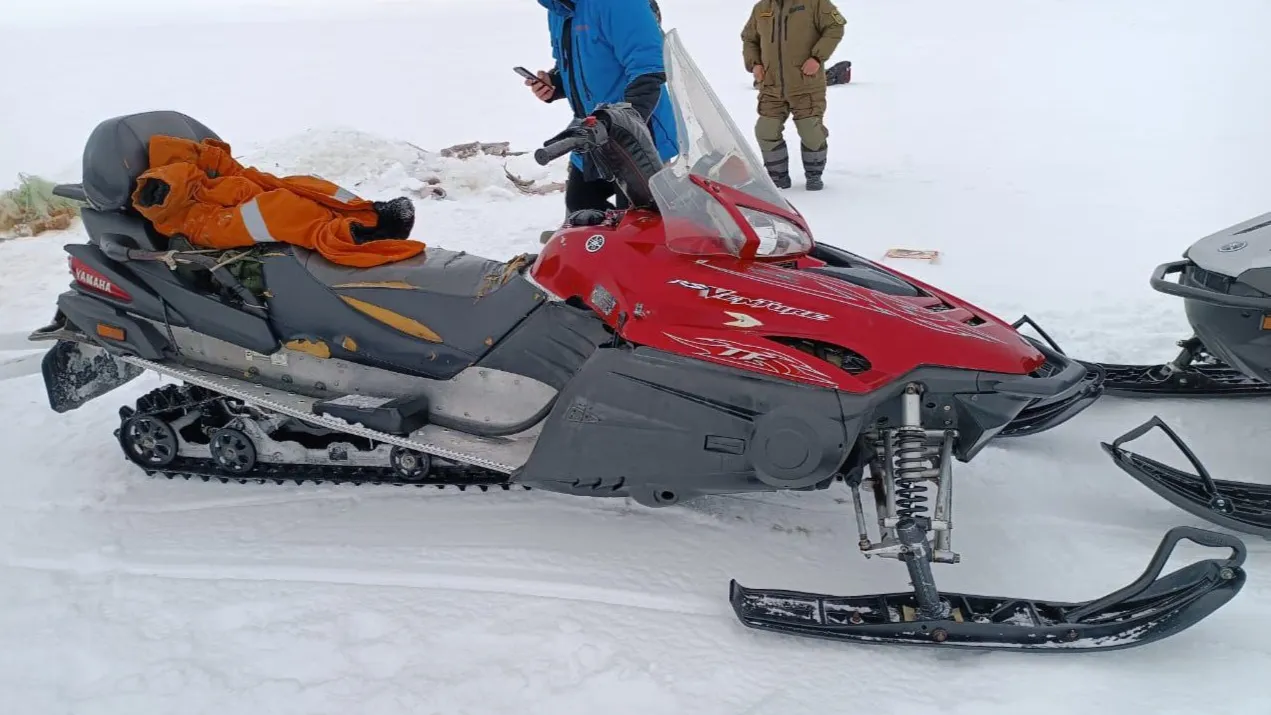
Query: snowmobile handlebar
{"points": [[74, 192], [557, 149], [1205, 295]]}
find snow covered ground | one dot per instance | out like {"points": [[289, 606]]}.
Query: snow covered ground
{"points": [[1054, 152]]}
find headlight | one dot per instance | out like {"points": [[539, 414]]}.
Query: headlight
{"points": [[777, 236]]}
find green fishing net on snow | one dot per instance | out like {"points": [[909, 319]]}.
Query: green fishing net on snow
{"points": [[31, 208]]}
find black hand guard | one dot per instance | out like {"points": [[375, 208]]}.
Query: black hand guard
{"points": [[629, 158]]}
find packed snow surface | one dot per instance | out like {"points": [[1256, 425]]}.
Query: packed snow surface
{"points": [[1053, 152]]}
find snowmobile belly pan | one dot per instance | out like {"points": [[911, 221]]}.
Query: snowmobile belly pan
{"points": [[1149, 609], [627, 414]]}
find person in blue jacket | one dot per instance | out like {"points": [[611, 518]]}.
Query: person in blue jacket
{"points": [[606, 51]]}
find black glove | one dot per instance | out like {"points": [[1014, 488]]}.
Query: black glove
{"points": [[153, 192], [395, 219]]}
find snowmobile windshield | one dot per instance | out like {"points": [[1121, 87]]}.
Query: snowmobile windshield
{"points": [[711, 147]]}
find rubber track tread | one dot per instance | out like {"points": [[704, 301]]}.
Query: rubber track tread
{"points": [[170, 398]]}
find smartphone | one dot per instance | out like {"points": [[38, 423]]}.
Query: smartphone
{"points": [[526, 73]]}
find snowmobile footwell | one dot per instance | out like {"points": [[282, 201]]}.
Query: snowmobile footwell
{"points": [[1150, 609], [1241, 506]]}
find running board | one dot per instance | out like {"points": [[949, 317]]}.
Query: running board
{"points": [[1240, 506], [500, 454]]}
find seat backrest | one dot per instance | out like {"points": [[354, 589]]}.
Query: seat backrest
{"points": [[118, 151]]}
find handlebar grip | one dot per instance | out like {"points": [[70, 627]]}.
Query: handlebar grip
{"points": [[556, 150]]}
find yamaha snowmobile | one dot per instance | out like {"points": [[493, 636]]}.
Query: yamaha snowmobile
{"points": [[1224, 280], [697, 343]]}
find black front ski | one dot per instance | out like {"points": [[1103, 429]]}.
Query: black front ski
{"points": [[1150, 609], [1241, 506]]}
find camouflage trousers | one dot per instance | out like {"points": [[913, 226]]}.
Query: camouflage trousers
{"points": [[808, 111]]}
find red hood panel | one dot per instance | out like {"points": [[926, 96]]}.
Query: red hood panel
{"points": [[733, 304], [723, 310]]}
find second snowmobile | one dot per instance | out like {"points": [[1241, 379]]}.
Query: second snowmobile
{"points": [[697, 343], [1224, 280]]}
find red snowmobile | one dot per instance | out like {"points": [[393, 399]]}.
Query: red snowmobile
{"points": [[697, 343]]}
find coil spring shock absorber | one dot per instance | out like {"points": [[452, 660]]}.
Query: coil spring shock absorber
{"points": [[911, 469]]}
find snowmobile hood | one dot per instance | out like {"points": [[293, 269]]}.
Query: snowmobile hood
{"points": [[818, 324], [1236, 249], [889, 335]]}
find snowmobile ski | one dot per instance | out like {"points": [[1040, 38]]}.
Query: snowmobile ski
{"points": [[1241, 506], [1193, 373], [1151, 608]]}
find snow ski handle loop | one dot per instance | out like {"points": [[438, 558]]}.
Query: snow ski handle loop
{"points": [[1212, 539], [557, 149], [1161, 285]]}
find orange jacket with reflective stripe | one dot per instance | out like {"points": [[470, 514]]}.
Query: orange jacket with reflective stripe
{"points": [[216, 202]]}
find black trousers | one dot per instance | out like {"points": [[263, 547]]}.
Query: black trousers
{"points": [[583, 194]]}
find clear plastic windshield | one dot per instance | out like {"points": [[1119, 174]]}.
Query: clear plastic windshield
{"points": [[712, 147]]}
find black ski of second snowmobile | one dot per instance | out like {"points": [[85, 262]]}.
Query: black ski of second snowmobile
{"points": [[1193, 373]]}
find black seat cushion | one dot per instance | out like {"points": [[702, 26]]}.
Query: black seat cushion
{"points": [[118, 151]]}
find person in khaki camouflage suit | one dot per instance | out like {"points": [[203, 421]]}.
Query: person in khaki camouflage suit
{"points": [[785, 44]]}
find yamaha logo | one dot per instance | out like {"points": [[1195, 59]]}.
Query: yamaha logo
{"points": [[94, 281], [595, 243]]}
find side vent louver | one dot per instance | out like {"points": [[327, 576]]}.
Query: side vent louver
{"points": [[849, 360]]}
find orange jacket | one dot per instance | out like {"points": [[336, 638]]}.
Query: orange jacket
{"points": [[216, 202]]}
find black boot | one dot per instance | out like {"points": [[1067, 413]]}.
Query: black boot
{"points": [[813, 167], [777, 162], [396, 219]]}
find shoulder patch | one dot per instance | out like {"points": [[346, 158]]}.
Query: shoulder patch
{"points": [[838, 18]]}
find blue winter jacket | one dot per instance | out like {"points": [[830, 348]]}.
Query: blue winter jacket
{"points": [[600, 46]]}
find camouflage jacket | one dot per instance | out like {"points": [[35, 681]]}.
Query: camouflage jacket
{"points": [[782, 34]]}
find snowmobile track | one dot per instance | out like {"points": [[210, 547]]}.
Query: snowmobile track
{"points": [[170, 398], [505, 454]]}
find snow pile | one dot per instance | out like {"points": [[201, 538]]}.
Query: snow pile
{"points": [[377, 168]]}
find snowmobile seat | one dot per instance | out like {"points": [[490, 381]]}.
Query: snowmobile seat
{"points": [[116, 153], [436, 270], [433, 314]]}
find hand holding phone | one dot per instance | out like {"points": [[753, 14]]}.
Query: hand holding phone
{"points": [[540, 84]]}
